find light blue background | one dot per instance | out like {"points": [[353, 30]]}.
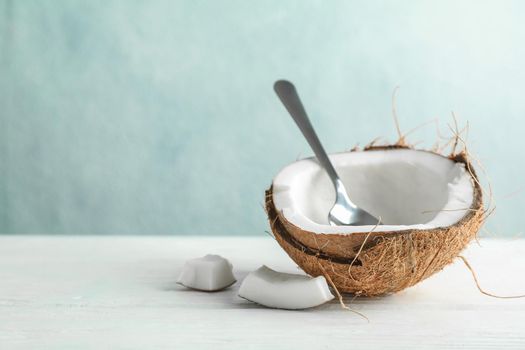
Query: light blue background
{"points": [[158, 117]]}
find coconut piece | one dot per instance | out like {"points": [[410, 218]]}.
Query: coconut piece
{"points": [[284, 290], [431, 207], [209, 273]]}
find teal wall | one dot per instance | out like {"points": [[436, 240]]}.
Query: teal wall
{"points": [[158, 117]]}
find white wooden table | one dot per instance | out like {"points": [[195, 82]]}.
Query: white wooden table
{"points": [[120, 292]]}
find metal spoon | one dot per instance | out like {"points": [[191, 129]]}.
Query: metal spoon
{"points": [[344, 212]]}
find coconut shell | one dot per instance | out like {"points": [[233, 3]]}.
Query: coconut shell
{"points": [[376, 263]]}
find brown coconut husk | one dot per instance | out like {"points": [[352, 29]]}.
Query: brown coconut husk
{"points": [[377, 263]]}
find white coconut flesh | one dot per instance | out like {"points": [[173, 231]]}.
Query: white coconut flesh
{"points": [[408, 189], [284, 290], [209, 273]]}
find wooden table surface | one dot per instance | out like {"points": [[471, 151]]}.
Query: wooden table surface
{"points": [[119, 292]]}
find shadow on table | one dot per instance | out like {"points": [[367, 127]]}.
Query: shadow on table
{"points": [[223, 299], [228, 298]]}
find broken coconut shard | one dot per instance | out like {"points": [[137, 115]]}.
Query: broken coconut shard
{"points": [[279, 290], [210, 273], [430, 206]]}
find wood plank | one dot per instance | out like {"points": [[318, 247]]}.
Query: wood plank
{"points": [[120, 292]]}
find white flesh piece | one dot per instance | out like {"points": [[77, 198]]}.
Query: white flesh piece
{"points": [[279, 290], [209, 273], [408, 189]]}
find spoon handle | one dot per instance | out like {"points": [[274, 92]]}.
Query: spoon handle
{"points": [[290, 99]]}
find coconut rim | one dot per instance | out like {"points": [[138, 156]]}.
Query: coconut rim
{"points": [[462, 157], [294, 235]]}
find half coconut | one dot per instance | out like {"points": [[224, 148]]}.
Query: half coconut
{"points": [[430, 207]]}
